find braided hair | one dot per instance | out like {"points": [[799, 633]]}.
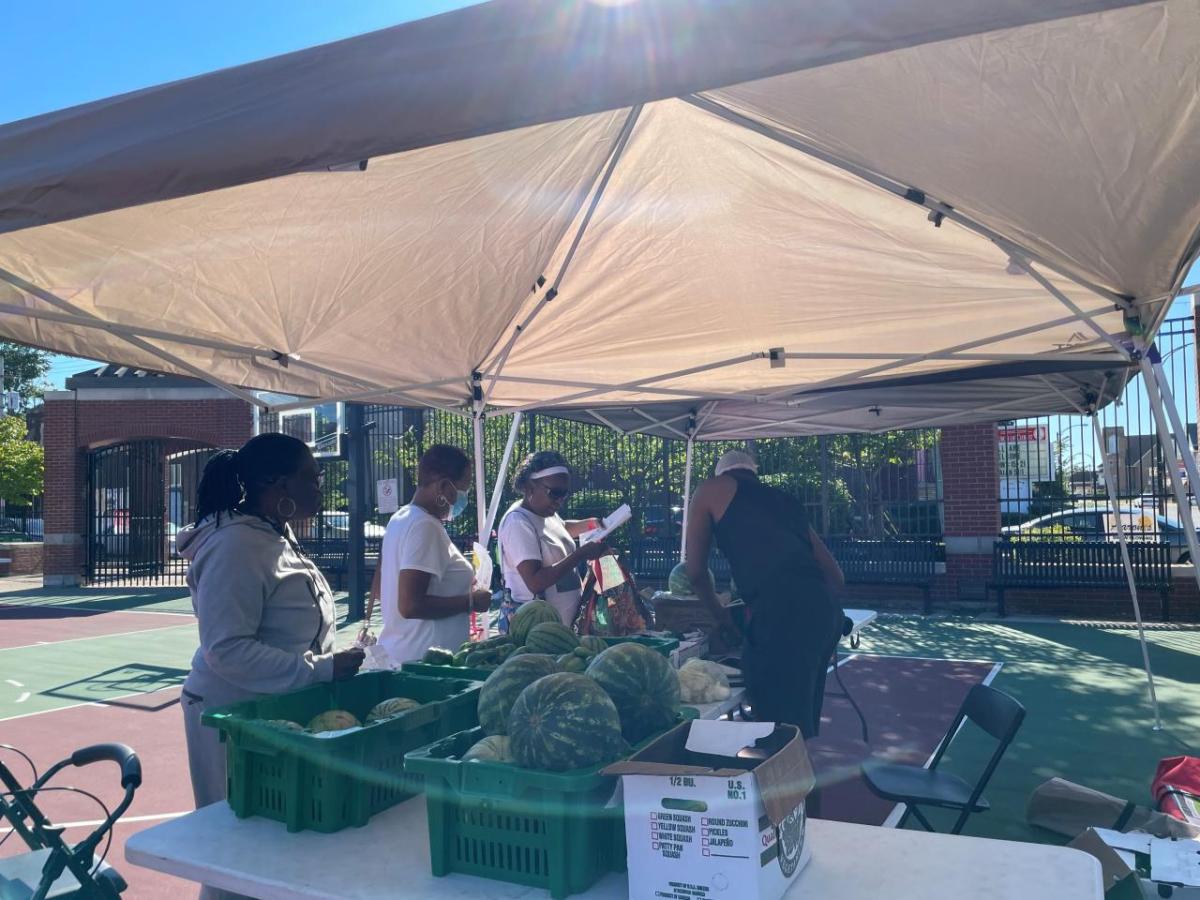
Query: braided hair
{"points": [[234, 479]]}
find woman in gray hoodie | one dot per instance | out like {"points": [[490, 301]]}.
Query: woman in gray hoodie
{"points": [[266, 613]]}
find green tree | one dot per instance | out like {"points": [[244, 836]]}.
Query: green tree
{"points": [[25, 370], [21, 463]]}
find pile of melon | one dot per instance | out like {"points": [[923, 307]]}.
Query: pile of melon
{"points": [[564, 703], [342, 720], [535, 628]]}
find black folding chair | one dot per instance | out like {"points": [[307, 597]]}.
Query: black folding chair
{"points": [[51, 869], [996, 713]]}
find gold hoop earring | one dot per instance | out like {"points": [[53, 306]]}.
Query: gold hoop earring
{"points": [[442, 501], [283, 517]]}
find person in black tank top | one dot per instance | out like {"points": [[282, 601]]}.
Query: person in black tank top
{"points": [[786, 577]]}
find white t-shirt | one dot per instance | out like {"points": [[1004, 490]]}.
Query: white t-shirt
{"points": [[416, 540], [523, 536]]}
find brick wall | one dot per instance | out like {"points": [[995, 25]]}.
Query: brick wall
{"points": [[25, 558], [71, 427]]}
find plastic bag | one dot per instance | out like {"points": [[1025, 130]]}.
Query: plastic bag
{"points": [[615, 612]]}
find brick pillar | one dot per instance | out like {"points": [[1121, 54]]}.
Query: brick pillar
{"points": [[971, 503], [65, 500]]}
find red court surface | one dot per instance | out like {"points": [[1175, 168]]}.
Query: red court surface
{"points": [[22, 626], [909, 704]]}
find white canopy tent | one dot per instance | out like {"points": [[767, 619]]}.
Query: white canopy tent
{"points": [[531, 203]]}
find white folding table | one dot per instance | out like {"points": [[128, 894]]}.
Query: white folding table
{"points": [[389, 857]]}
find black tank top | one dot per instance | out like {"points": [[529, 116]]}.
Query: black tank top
{"points": [[765, 536]]}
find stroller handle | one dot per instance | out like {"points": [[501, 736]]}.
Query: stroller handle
{"points": [[123, 756]]}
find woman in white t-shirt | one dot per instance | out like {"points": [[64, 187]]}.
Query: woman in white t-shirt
{"points": [[425, 583], [538, 556]]}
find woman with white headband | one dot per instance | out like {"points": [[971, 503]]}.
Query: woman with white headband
{"points": [[538, 556], [787, 578]]}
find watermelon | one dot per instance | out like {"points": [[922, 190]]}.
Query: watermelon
{"points": [[389, 708], [493, 748], [593, 644], [520, 651], [333, 720], [551, 637], [642, 685], [500, 691], [438, 656], [460, 658], [564, 721], [569, 662], [680, 585], [532, 613]]}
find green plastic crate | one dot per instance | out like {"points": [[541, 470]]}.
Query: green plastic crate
{"points": [[663, 645], [330, 783], [550, 830], [429, 670]]}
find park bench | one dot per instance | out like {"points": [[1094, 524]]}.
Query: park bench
{"points": [[1051, 565], [889, 561]]}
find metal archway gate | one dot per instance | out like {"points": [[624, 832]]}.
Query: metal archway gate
{"points": [[140, 493]]}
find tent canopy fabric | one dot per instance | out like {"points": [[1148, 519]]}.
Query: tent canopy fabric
{"points": [[987, 394], [534, 204]]}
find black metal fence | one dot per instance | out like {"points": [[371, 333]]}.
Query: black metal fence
{"points": [[868, 486], [139, 495], [1052, 475]]}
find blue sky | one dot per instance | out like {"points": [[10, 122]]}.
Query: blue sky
{"points": [[71, 51]]}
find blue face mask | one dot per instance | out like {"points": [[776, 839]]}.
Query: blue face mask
{"points": [[460, 503]]}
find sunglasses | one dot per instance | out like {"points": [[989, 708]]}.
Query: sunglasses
{"points": [[556, 493]]}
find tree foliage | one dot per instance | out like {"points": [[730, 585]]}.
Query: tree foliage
{"points": [[25, 370], [21, 462]]}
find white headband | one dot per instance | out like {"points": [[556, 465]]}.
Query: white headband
{"points": [[553, 470]]}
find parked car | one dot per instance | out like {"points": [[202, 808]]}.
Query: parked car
{"points": [[337, 524], [1098, 525], [655, 521]]}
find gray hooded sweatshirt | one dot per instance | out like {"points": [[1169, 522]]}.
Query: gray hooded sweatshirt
{"points": [[266, 612]]}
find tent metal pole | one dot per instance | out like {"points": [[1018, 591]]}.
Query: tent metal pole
{"points": [[498, 489], [1182, 440], [1125, 561], [1070, 304], [687, 496], [374, 393], [1182, 506], [897, 188], [481, 536], [552, 291], [935, 354]]}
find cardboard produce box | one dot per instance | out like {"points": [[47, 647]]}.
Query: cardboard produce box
{"points": [[1137, 866], [716, 810]]}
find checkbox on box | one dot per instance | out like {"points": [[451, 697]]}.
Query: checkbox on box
{"points": [[704, 842], [704, 832], [706, 853], [703, 821], [653, 816], [654, 846]]}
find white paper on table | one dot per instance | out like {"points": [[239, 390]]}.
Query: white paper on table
{"points": [[483, 567], [1177, 862], [611, 523], [1134, 841]]}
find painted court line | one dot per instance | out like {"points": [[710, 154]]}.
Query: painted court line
{"points": [[15, 684], [93, 608], [92, 637], [124, 820], [897, 812], [107, 701]]}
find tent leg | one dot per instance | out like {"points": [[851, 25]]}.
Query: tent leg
{"points": [[1182, 441], [480, 494], [498, 489], [687, 497], [1137, 609], [1182, 504]]}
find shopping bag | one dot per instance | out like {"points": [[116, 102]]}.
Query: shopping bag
{"points": [[1176, 788], [611, 606]]}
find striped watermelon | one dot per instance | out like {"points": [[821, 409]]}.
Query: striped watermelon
{"points": [[593, 644], [500, 691], [562, 722], [570, 662], [551, 637], [532, 613], [642, 685]]}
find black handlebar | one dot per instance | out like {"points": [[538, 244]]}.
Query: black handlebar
{"points": [[131, 766]]}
